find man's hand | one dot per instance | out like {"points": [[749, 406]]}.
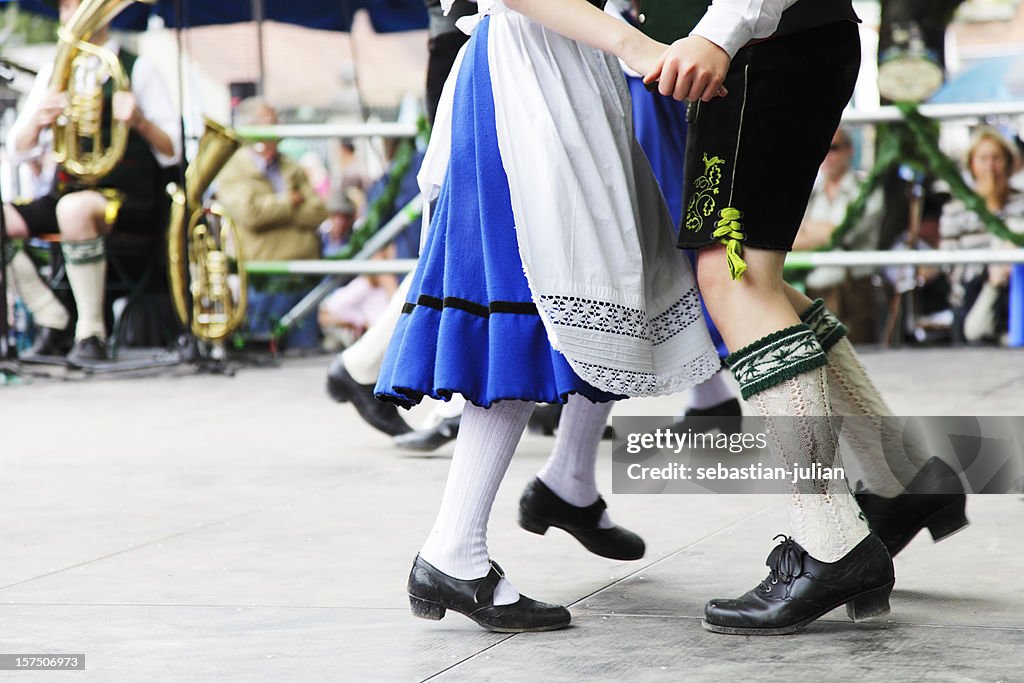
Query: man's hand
{"points": [[692, 69], [295, 197], [124, 108], [50, 108]]}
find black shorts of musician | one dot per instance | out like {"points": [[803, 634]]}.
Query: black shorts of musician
{"points": [[135, 216], [752, 156]]}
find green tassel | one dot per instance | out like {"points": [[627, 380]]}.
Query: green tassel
{"points": [[730, 233]]}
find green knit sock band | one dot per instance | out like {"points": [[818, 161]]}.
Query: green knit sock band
{"points": [[773, 359], [86, 251], [827, 328]]}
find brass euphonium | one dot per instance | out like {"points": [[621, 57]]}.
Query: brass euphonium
{"points": [[207, 269], [79, 71]]}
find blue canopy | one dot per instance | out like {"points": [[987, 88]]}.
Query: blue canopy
{"points": [[387, 16]]}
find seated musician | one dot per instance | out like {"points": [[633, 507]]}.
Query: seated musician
{"points": [[129, 199]]}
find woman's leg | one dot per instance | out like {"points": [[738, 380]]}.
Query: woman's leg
{"points": [[564, 494], [454, 569]]}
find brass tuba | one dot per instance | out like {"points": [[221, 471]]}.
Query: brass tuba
{"points": [[78, 70], [208, 267]]}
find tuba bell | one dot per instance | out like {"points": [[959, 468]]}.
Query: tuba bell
{"points": [[79, 70], [204, 273]]}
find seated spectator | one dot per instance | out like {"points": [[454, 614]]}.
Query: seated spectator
{"points": [[278, 214], [346, 313], [342, 208], [846, 291], [979, 295]]}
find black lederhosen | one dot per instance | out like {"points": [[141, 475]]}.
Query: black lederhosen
{"points": [[758, 149]]}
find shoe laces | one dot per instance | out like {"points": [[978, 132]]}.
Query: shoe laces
{"points": [[785, 562]]}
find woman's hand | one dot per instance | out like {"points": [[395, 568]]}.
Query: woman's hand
{"points": [[692, 68], [643, 54]]}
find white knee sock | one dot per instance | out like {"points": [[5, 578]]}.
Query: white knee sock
{"points": [[457, 544], [569, 471], [886, 458], [711, 392], [86, 264], [42, 303], [364, 358], [827, 523]]}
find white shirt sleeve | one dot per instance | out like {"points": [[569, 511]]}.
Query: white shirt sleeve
{"points": [[155, 103], [28, 109], [731, 24]]}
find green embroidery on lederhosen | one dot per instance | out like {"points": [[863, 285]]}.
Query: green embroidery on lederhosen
{"points": [[702, 204], [729, 231]]}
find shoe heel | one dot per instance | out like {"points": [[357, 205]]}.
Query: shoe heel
{"points": [[532, 524], [426, 610], [948, 520], [872, 604]]}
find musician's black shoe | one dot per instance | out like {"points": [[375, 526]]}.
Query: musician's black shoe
{"points": [[426, 440], [379, 415], [540, 508], [935, 500], [726, 416], [800, 589], [88, 351], [432, 593], [49, 342]]}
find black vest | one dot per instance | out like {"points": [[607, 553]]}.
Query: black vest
{"points": [[669, 20]]}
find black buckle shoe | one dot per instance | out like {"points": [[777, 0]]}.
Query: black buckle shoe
{"points": [[432, 593], [800, 589], [935, 500], [88, 351], [378, 414], [540, 508], [726, 417], [426, 440]]}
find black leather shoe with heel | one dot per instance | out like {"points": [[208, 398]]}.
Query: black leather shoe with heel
{"points": [[343, 388], [800, 589], [432, 593], [540, 509], [934, 500]]}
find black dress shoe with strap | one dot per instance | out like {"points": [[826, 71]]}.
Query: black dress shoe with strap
{"points": [[48, 343], [87, 352], [800, 589], [426, 440], [935, 499], [540, 508], [343, 388], [432, 593]]}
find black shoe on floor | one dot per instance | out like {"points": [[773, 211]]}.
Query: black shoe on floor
{"points": [[540, 508], [426, 440], [88, 351], [49, 342], [800, 589], [378, 414], [432, 592], [935, 500], [726, 416]]}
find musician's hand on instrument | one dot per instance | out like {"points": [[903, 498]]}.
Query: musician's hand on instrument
{"points": [[50, 108], [124, 108]]}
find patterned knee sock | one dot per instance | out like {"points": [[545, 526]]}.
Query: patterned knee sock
{"points": [[783, 378], [569, 471], [457, 544], [86, 263], [886, 460]]}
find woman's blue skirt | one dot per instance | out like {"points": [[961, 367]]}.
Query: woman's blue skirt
{"points": [[469, 325]]}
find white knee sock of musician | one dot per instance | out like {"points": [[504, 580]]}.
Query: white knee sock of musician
{"points": [[570, 470], [86, 264], [39, 299], [457, 544], [783, 378]]}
